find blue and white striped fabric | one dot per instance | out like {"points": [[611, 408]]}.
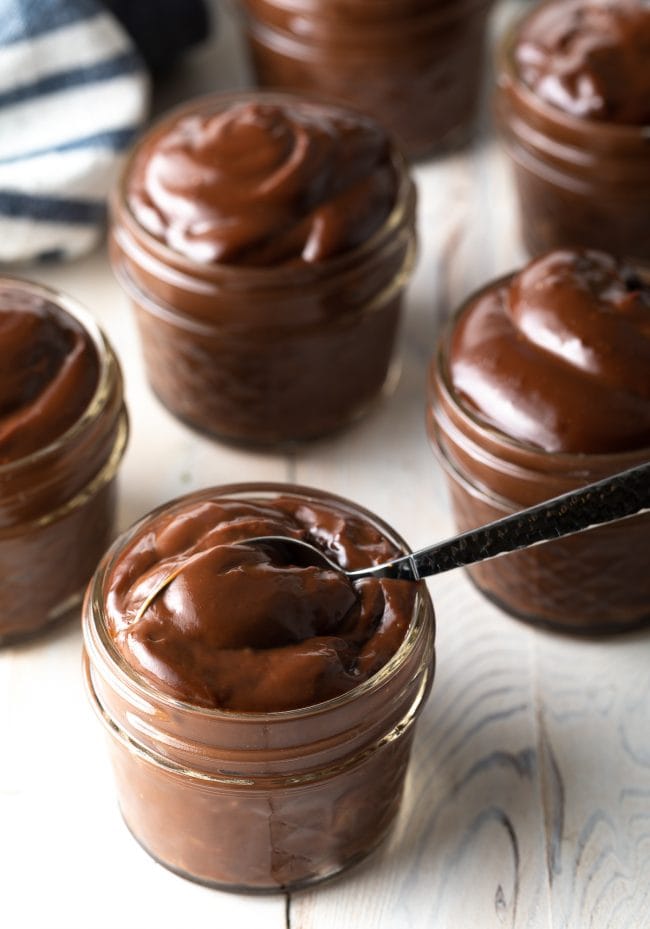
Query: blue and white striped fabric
{"points": [[73, 93]]}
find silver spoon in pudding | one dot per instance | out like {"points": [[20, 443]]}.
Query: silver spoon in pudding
{"points": [[617, 497]]}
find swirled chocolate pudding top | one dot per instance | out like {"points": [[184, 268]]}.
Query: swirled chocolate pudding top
{"points": [[231, 628], [49, 371], [590, 58], [264, 183], [558, 355]]}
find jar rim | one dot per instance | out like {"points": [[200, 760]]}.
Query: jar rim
{"points": [[507, 68], [439, 13], [105, 357], [307, 271], [451, 467], [99, 645], [163, 309], [440, 373], [295, 5]]}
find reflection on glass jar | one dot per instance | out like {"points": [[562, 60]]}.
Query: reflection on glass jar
{"points": [[593, 582], [266, 347], [416, 66], [57, 499], [579, 180], [259, 801]]}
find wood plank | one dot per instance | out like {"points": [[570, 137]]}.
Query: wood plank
{"points": [[594, 701]]}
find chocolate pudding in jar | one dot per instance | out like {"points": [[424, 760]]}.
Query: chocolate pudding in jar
{"points": [[265, 242], [260, 714], [573, 106], [542, 384], [63, 431], [416, 66]]}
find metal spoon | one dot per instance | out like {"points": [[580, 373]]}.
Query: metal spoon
{"points": [[624, 494]]}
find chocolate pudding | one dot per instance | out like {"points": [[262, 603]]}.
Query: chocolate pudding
{"points": [[262, 184], [49, 371], [248, 697], [235, 629], [559, 355], [416, 66], [542, 384], [589, 59], [62, 433], [265, 242], [574, 110]]}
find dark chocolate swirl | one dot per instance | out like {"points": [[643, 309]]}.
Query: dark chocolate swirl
{"points": [[558, 356], [589, 58], [237, 630], [263, 183], [49, 371]]}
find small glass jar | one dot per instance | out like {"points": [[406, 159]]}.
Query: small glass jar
{"points": [[579, 181], [258, 802], [57, 505], [415, 66], [266, 355], [591, 583]]}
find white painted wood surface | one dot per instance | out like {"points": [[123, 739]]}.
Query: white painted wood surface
{"points": [[528, 800]]}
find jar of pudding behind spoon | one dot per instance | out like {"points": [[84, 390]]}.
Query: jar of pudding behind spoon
{"points": [[540, 384]]}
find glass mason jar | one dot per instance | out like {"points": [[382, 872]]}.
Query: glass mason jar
{"points": [[416, 66], [578, 181], [590, 583], [266, 355], [259, 802], [57, 505]]}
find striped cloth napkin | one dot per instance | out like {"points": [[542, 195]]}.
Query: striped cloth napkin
{"points": [[73, 92]]}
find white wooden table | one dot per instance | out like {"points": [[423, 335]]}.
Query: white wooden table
{"points": [[528, 800]]}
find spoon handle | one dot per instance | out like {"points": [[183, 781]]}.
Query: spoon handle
{"points": [[618, 496]]}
